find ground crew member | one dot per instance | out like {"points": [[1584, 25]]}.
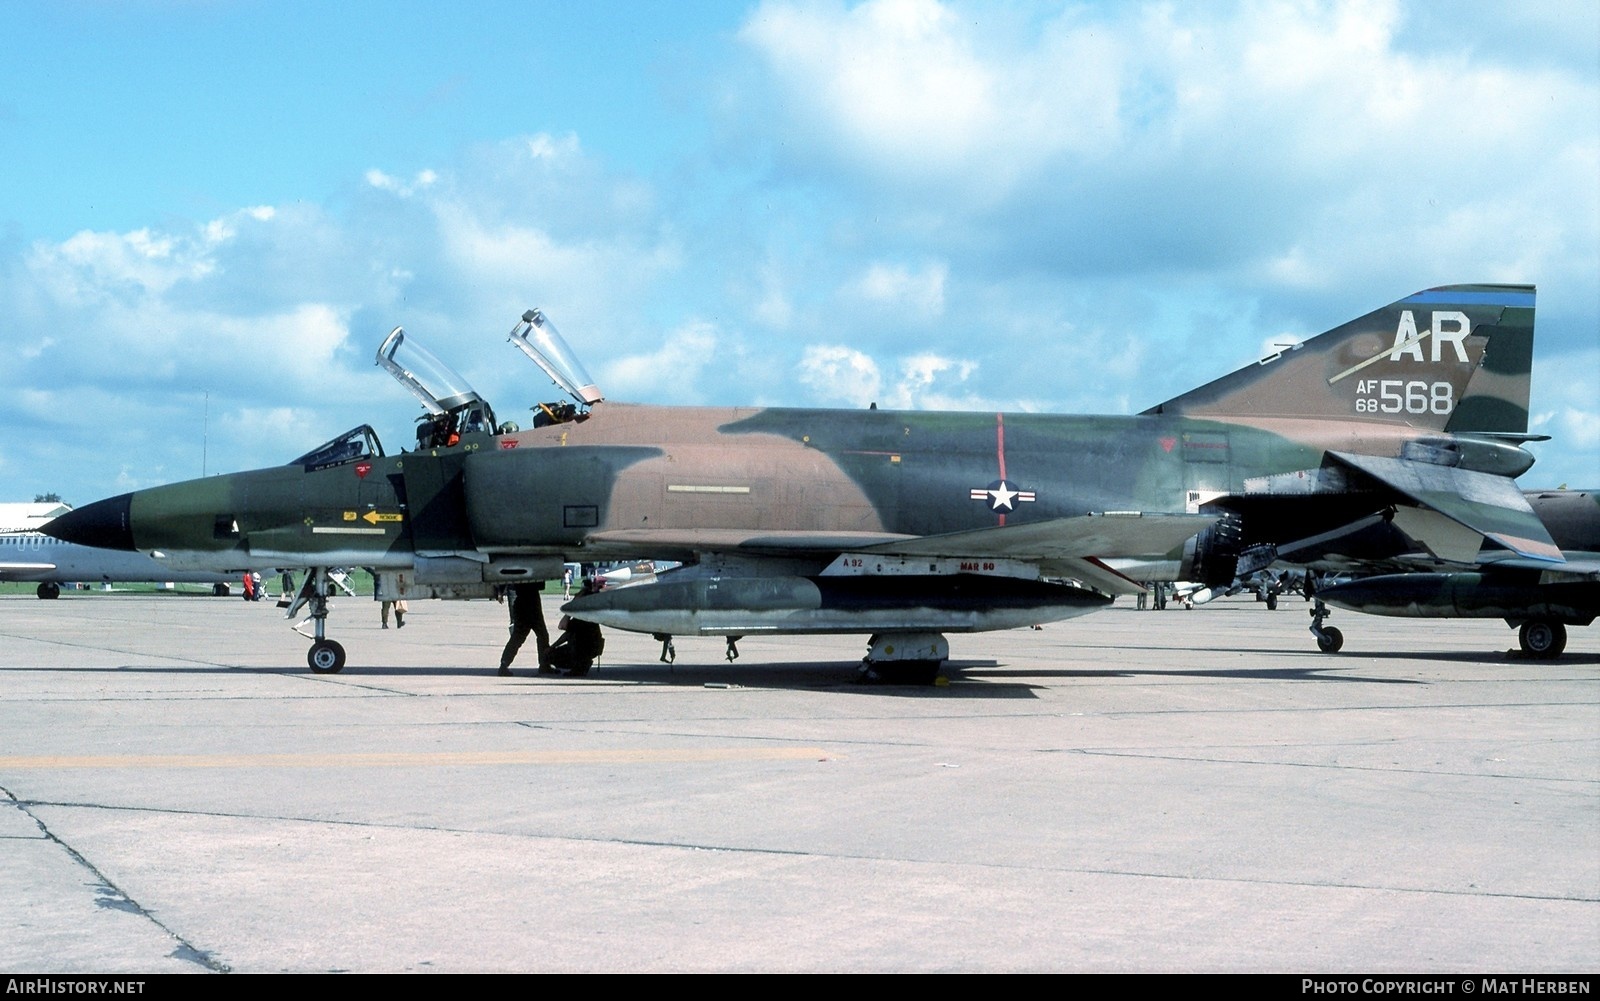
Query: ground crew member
{"points": [[527, 615], [580, 644]]}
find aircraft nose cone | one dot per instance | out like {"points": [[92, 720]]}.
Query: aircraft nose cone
{"points": [[106, 524]]}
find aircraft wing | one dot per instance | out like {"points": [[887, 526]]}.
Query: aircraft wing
{"points": [[1060, 547], [1454, 500], [739, 540], [1064, 547], [1104, 535]]}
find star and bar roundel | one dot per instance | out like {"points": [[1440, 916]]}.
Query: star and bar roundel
{"points": [[1002, 495]]}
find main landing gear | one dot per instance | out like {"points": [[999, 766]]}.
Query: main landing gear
{"points": [[904, 658], [48, 590], [1542, 639], [325, 656], [1329, 639]]}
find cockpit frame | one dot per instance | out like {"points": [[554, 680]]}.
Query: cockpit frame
{"points": [[360, 442]]}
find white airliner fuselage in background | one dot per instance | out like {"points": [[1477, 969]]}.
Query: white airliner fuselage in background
{"points": [[30, 556]]}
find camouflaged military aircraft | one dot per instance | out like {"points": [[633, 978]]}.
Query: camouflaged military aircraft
{"points": [[1536, 597], [900, 525]]}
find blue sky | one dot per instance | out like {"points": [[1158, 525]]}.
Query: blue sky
{"points": [[214, 212]]}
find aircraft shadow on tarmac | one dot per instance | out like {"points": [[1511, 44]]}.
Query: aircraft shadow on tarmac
{"points": [[1352, 656], [837, 676], [1323, 673], [967, 679], [1507, 656]]}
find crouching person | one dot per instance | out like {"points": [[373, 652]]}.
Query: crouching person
{"points": [[578, 647]]}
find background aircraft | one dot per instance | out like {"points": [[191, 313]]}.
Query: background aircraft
{"points": [[34, 556], [26, 517], [901, 525], [1537, 598]]}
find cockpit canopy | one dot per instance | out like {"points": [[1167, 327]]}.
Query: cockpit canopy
{"points": [[357, 443], [454, 407], [539, 339]]}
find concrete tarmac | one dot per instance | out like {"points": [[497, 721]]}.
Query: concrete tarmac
{"points": [[1128, 791]]}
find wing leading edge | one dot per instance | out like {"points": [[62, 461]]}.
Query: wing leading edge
{"points": [[1059, 547]]}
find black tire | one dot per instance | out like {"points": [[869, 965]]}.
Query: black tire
{"points": [[48, 591], [221, 590], [325, 657], [1542, 640], [1331, 640], [906, 672], [1272, 603]]}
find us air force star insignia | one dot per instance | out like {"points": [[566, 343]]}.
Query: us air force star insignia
{"points": [[1001, 495]]}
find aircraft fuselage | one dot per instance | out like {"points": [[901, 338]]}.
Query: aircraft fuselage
{"points": [[654, 482]]}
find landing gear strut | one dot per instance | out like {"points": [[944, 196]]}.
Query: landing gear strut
{"points": [[1329, 639], [325, 656]]}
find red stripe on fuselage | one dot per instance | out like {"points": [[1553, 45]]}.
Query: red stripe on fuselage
{"points": [[1000, 447]]}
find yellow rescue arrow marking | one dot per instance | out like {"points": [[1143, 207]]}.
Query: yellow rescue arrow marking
{"points": [[374, 517]]}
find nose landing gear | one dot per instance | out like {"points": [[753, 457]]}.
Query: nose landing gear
{"points": [[325, 656]]}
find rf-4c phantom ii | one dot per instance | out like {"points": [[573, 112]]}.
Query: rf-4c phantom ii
{"points": [[1405, 426]]}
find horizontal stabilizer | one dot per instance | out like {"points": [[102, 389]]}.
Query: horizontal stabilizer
{"points": [[1444, 537], [1488, 504]]}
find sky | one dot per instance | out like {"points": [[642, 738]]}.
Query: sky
{"points": [[212, 213]]}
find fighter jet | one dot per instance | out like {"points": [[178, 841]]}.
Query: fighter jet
{"points": [[1536, 597], [901, 525]]}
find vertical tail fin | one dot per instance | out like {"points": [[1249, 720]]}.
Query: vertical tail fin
{"points": [[1456, 358]]}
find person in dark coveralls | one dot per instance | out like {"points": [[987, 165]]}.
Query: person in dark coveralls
{"points": [[579, 646], [527, 615]]}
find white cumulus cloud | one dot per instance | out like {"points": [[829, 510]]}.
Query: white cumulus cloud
{"points": [[837, 374], [899, 287]]}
